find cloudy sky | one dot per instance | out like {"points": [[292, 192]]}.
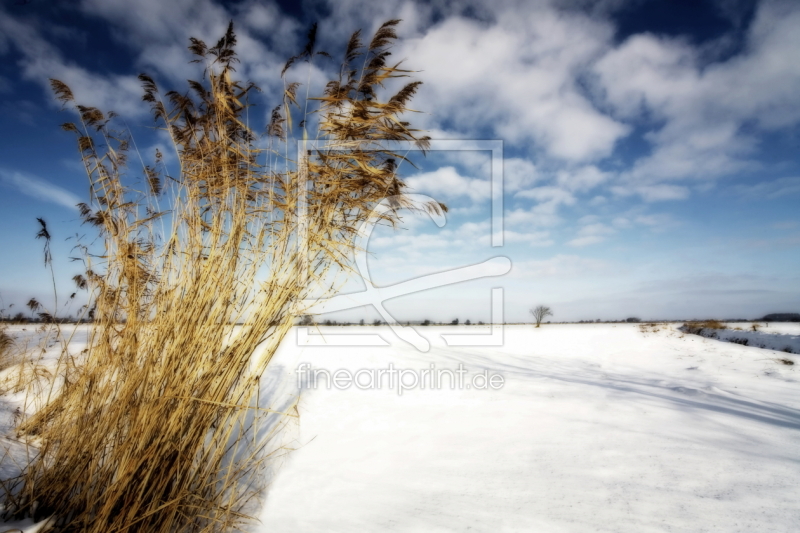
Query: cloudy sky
{"points": [[651, 147]]}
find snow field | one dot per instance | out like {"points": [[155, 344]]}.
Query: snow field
{"points": [[598, 428]]}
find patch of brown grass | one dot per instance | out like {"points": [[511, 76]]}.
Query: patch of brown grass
{"points": [[650, 327]]}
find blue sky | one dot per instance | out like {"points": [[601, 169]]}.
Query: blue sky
{"points": [[651, 147]]}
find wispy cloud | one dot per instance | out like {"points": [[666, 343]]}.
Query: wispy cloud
{"points": [[786, 224], [559, 266], [592, 234], [38, 188], [653, 192], [771, 189]]}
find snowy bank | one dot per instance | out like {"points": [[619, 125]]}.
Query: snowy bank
{"points": [[758, 339]]}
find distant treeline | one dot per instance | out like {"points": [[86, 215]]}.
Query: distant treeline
{"points": [[22, 319], [773, 317], [308, 321], [782, 317]]}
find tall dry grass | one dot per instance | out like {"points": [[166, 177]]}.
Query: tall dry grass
{"points": [[200, 277], [6, 345]]}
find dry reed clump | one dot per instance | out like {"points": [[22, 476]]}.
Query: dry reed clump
{"points": [[697, 327], [155, 428], [6, 346]]}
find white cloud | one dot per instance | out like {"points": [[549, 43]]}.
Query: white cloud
{"points": [[518, 174], [342, 17], [549, 200], [583, 178], [158, 32], [474, 162], [548, 194], [592, 234], [534, 238], [657, 221], [414, 240], [267, 20], [598, 200], [468, 235], [446, 182], [535, 217], [534, 54], [513, 70], [39, 188], [653, 193], [39, 61], [147, 22], [705, 118], [621, 222]]}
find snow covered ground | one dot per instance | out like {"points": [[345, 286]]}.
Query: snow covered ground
{"points": [[597, 427]]}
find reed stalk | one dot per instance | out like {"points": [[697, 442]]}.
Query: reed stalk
{"points": [[200, 277]]}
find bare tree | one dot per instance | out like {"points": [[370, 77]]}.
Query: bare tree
{"points": [[540, 312]]}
